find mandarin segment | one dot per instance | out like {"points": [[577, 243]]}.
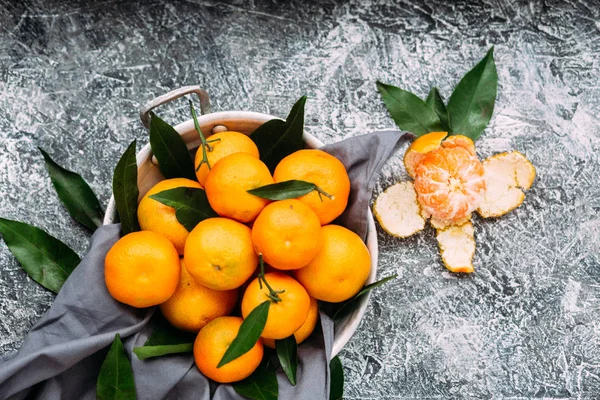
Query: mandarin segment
{"points": [[192, 305], [457, 247], [221, 145], [398, 211], [219, 253], [325, 171], [228, 183], [288, 234], [340, 269], [506, 176], [211, 344], [142, 269], [449, 183], [286, 316], [421, 146], [157, 217]]}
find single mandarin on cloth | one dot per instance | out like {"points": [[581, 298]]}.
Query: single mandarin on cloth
{"points": [[340, 269], [325, 171], [219, 254], [449, 182], [421, 146], [192, 305], [221, 145], [288, 234], [307, 327], [142, 269], [157, 217], [286, 316], [228, 183], [211, 344]]}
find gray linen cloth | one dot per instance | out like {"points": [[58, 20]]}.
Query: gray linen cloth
{"points": [[61, 356]]}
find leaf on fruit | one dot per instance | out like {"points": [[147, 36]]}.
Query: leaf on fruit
{"points": [[173, 156], [249, 333], [276, 139], [115, 381], [75, 193], [408, 111], [190, 204], [471, 104], [145, 352], [287, 352], [261, 385], [47, 260], [436, 102], [350, 305], [291, 189], [126, 191], [336, 382]]}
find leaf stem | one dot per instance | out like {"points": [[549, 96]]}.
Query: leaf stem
{"points": [[273, 294], [322, 193], [204, 144]]}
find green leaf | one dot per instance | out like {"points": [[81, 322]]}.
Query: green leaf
{"points": [[350, 304], [287, 352], [249, 333], [115, 381], [471, 104], [75, 193], [47, 260], [276, 139], [126, 191], [163, 333], [190, 204], [408, 111], [284, 190], [336, 383], [173, 156], [261, 385], [144, 352], [435, 101]]}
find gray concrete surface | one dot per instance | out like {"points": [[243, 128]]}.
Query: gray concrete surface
{"points": [[73, 75]]}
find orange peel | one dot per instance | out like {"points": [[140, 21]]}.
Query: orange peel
{"points": [[421, 146], [398, 211], [506, 176], [457, 247]]}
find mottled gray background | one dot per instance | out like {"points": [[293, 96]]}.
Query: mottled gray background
{"points": [[74, 74]]}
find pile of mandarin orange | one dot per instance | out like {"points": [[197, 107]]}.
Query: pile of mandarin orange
{"points": [[198, 278]]}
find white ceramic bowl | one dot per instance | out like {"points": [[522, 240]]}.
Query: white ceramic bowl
{"points": [[245, 122]]}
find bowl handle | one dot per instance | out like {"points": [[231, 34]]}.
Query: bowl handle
{"points": [[172, 95]]}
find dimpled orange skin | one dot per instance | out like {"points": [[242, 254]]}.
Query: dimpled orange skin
{"points": [[142, 269], [340, 269], [192, 305], [157, 217], [449, 182], [307, 327], [288, 234], [219, 254], [228, 183], [222, 145], [325, 171], [210, 346], [286, 316]]}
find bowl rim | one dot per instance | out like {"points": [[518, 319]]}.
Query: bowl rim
{"points": [[347, 330]]}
